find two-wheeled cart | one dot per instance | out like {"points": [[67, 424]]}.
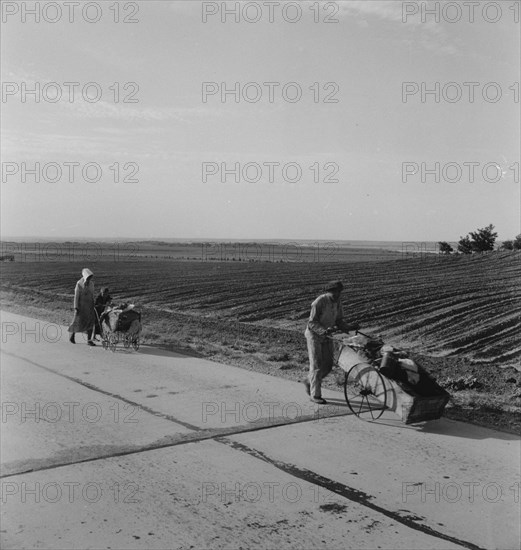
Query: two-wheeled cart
{"points": [[379, 377]]}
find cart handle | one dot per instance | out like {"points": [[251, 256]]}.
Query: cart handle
{"points": [[342, 345]]}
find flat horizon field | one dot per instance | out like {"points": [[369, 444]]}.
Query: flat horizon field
{"points": [[212, 250]]}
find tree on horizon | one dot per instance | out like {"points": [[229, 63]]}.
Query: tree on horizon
{"points": [[481, 240], [445, 247]]}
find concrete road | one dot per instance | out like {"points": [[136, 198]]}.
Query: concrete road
{"points": [[152, 449]]}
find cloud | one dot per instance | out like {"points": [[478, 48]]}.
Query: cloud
{"points": [[127, 112], [55, 147], [429, 35], [384, 9], [101, 144]]}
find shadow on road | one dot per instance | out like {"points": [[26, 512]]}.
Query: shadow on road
{"points": [[168, 351], [337, 402], [454, 428], [443, 426]]}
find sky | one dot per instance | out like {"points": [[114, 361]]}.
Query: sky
{"points": [[341, 145]]}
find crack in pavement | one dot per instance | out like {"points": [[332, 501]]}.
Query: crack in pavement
{"points": [[38, 465], [355, 495]]}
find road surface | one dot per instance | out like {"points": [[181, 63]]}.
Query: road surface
{"points": [[153, 449]]}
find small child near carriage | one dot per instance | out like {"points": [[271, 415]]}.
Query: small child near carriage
{"points": [[103, 300]]}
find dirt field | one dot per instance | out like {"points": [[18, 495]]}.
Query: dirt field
{"points": [[459, 315]]}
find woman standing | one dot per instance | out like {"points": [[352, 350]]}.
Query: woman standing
{"points": [[83, 307]]}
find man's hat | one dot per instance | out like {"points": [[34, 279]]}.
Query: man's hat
{"points": [[334, 285]]}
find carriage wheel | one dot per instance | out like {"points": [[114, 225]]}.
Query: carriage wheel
{"points": [[105, 339], [105, 336], [113, 340], [364, 390], [135, 344]]}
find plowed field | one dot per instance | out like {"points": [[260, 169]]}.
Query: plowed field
{"points": [[450, 306]]}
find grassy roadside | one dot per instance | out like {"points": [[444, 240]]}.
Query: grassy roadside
{"points": [[483, 395]]}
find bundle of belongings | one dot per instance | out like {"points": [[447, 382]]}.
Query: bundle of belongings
{"points": [[122, 318], [397, 365]]}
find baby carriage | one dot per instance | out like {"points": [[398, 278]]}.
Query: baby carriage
{"points": [[120, 324]]}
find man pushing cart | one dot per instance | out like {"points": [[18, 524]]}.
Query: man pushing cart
{"points": [[326, 317], [378, 377]]}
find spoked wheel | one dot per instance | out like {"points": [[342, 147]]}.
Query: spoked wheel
{"points": [[113, 340], [105, 336], [105, 339], [135, 344], [364, 390]]}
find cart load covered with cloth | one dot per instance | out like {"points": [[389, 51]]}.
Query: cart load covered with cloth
{"points": [[380, 377]]}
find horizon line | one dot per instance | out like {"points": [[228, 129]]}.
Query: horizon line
{"points": [[204, 239]]}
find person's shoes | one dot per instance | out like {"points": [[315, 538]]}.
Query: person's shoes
{"points": [[319, 400], [308, 386], [71, 339], [91, 343]]}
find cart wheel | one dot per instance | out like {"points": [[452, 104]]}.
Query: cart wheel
{"points": [[135, 344], [364, 390]]}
